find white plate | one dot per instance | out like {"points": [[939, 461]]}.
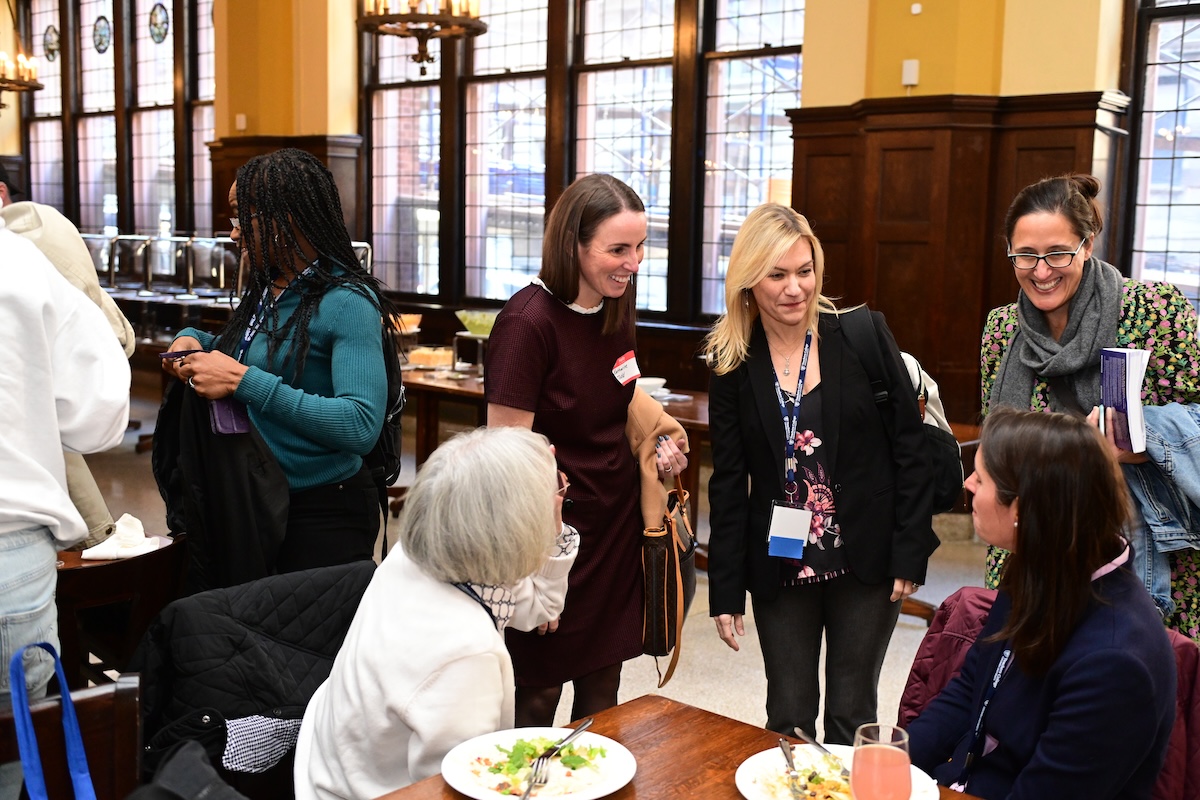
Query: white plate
{"points": [[459, 766], [664, 392], [770, 763]]}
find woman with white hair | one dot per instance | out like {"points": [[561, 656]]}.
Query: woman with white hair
{"points": [[482, 547]]}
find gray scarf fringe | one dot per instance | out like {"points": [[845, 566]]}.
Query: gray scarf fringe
{"points": [[1033, 354]]}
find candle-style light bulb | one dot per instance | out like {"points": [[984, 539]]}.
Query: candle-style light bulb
{"points": [[33, 66]]}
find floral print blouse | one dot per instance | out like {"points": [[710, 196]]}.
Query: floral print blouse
{"points": [[1155, 317], [824, 557]]}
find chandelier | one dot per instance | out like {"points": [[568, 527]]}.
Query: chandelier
{"points": [[19, 75], [422, 20]]}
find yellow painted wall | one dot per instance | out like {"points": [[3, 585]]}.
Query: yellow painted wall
{"points": [[10, 118], [1074, 47], [300, 80], [835, 52], [957, 43]]}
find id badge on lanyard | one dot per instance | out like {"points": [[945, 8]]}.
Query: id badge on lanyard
{"points": [[790, 522]]}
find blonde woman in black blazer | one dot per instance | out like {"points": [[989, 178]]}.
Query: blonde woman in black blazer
{"points": [[860, 500]]}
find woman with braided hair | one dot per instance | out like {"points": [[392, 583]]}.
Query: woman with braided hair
{"points": [[303, 352]]}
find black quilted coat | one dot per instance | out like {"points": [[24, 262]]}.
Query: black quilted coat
{"points": [[258, 649]]}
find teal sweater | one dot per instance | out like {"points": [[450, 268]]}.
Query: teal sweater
{"points": [[320, 426]]}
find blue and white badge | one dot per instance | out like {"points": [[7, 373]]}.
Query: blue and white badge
{"points": [[788, 530]]}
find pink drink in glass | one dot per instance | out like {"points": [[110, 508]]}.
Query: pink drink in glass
{"points": [[880, 772]]}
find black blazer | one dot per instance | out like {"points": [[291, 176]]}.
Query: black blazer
{"points": [[882, 488]]}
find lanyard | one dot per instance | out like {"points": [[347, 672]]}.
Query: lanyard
{"points": [[264, 303], [256, 321], [976, 748], [470, 592], [791, 422]]}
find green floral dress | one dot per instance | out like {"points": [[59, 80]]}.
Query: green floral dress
{"points": [[1154, 317]]}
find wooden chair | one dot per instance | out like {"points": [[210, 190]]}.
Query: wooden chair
{"points": [[104, 607], [111, 725]]}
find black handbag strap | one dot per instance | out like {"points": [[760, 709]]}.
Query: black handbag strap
{"points": [[860, 333]]}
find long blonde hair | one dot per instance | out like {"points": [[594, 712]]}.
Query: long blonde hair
{"points": [[768, 233]]}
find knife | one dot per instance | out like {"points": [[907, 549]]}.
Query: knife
{"points": [[796, 784], [834, 760]]}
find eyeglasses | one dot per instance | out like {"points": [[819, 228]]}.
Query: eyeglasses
{"points": [[563, 484], [235, 223], [1059, 259]]}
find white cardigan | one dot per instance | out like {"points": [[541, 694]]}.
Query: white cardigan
{"points": [[422, 669]]}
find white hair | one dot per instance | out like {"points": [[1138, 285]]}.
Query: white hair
{"points": [[482, 509]]}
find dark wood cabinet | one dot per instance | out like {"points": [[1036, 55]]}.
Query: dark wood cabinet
{"points": [[908, 197]]}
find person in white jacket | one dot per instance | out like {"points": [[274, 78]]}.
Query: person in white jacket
{"points": [[482, 546], [64, 385], [60, 242]]}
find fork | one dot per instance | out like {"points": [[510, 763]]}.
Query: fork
{"points": [[796, 784], [539, 773]]}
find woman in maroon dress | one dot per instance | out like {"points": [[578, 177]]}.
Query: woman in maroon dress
{"points": [[561, 362]]}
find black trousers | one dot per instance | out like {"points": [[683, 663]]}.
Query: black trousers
{"points": [[332, 524], [856, 620]]}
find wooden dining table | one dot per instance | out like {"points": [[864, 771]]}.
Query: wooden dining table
{"points": [[681, 751]]}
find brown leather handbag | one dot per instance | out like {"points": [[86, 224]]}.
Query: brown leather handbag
{"points": [[669, 570]]}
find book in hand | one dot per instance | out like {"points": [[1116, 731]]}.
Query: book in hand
{"points": [[1122, 371]]}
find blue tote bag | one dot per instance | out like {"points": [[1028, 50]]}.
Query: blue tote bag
{"points": [[31, 760]]}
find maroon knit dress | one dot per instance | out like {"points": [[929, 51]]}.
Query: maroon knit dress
{"points": [[546, 358]]}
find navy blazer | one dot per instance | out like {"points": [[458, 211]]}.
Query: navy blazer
{"points": [[882, 486], [1096, 725]]}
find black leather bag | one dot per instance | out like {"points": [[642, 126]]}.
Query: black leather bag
{"points": [[945, 455], [669, 572]]}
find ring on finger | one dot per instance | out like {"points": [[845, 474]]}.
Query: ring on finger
{"points": [[191, 383]]}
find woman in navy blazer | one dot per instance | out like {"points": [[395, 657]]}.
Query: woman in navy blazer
{"points": [[1069, 691], [857, 498]]}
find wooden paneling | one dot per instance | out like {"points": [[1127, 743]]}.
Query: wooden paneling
{"points": [[340, 154], [908, 197], [15, 165]]}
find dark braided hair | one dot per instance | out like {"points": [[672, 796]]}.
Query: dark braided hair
{"points": [[300, 226]]}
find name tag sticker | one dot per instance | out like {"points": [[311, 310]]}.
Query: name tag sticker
{"points": [[626, 369], [788, 531]]}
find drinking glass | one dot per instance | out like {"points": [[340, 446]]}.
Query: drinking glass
{"points": [[881, 765]]}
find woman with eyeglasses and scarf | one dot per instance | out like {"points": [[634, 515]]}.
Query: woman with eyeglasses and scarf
{"points": [[303, 351], [1042, 353]]}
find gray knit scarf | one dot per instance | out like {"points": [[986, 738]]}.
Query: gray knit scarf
{"points": [[1033, 354]]}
